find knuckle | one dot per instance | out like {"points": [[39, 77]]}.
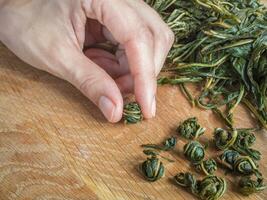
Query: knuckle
{"points": [[87, 87], [169, 36], [92, 84], [143, 33], [165, 36], [87, 83], [143, 73]]}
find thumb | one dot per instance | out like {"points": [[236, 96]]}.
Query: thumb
{"points": [[95, 84]]}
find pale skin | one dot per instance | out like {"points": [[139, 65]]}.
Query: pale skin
{"points": [[51, 35]]}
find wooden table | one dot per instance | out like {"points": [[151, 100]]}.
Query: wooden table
{"points": [[55, 144]]}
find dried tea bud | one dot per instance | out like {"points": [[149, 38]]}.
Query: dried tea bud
{"points": [[152, 168], [211, 188], [239, 140], [132, 113], [228, 158], [245, 165], [245, 139], [187, 180], [194, 151], [251, 184], [190, 129], [224, 139], [208, 166], [170, 143]]}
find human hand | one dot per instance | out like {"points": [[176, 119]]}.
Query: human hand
{"points": [[50, 35]]}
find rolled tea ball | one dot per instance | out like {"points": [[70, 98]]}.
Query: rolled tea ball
{"points": [[169, 143], [246, 138], [132, 113], [228, 158], [211, 188], [245, 165], [251, 184], [187, 180], [208, 166], [244, 141], [194, 151], [152, 168], [190, 129], [224, 139]]}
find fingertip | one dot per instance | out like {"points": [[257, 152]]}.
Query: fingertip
{"points": [[111, 105], [111, 111], [145, 92], [117, 113]]}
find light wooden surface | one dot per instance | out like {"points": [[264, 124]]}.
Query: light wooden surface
{"points": [[55, 144]]}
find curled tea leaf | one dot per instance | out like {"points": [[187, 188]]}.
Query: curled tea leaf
{"points": [[251, 184], [152, 168], [228, 158], [224, 139], [240, 164], [194, 151], [190, 129], [167, 145], [187, 180], [155, 153], [132, 113], [245, 165], [245, 139], [211, 188], [151, 153], [239, 140], [170, 143], [208, 166]]}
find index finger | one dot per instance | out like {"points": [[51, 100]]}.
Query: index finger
{"points": [[131, 32]]}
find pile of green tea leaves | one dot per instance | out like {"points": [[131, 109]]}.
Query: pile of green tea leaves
{"points": [[222, 46]]}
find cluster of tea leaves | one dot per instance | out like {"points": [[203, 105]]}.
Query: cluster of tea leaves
{"points": [[222, 46]]}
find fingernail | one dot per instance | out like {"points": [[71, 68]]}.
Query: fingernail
{"points": [[107, 107], [153, 107]]}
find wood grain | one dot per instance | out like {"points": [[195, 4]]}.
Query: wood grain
{"points": [[55, 144]]}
